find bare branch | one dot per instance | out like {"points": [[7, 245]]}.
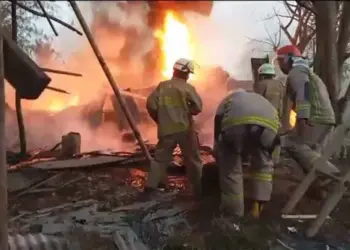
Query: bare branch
{"points": [[268, 34], [279, 37], [47, 17], [305, 39], [58, 90], [285, 30], [289, 7], [34, 12], [344, 32], [62, 72], [305, 6], [260, 41]]}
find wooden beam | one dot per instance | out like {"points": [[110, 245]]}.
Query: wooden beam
{"points": [[110, 78], [21, 128], [3, 166]]}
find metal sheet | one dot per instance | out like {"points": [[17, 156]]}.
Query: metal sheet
{"points": [[78, 163]]}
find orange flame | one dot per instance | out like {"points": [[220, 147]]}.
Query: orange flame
{"points": [[176, 42], [292, 118], [58, 104]]}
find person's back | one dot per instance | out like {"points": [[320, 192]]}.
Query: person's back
{"points": [[270, 87], [171, 105], [272, 90], [174, 111], [250, 108], [314, 113], [246, 125], [321, 111]]}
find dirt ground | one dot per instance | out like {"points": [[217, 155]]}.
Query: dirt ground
{"points": [[114, 187]]}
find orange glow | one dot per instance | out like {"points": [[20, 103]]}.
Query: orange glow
{"points": [[292, 118], [176, 42], [58, 104]]}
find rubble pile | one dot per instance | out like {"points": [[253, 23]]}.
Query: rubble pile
{"points": [[96, 195]]}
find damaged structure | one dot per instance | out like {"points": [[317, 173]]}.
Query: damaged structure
{"points": [[67, 191]]}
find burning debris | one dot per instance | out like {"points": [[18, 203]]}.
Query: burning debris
{"points": [[137, 41], [141, 40]]}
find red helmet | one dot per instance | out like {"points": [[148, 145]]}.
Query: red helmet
{"points": [[289, 50]]}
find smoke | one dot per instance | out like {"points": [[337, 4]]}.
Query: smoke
{"points": [[116, 27], [126, 42]]}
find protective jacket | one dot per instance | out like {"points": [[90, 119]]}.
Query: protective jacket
{"points": [[172, 105], [241, 108], [309, 94], [273, 90], [245, 124]]}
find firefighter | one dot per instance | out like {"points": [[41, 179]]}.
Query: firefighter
{"points": [[245, 124], [172, 105], [273, 90], [269, 87], [307, 93]]}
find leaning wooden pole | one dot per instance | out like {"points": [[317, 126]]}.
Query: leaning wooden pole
{"points": [[110, 78], [21, 129], [3, 167]]}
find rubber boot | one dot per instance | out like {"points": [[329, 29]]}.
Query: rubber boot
{"points": [[257, 208]]}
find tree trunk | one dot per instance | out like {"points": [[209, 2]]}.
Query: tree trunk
{"points": [[326, 60], [344, 34]]}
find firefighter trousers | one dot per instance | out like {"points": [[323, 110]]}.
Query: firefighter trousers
{"points": [[188, 143], [308, 146], [245, 140]]}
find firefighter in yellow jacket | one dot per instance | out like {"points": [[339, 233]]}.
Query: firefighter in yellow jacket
{"points": [[245, 124], [172, 105], [273, 90]]}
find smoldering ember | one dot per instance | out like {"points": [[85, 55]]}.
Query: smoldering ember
{"points": [[80, 137]]}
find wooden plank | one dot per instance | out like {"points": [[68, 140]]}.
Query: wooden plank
{"points": [[78, 163]]}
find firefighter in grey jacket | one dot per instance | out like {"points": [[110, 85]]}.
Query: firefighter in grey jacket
{"points": [[315, 115], [245, 123]]}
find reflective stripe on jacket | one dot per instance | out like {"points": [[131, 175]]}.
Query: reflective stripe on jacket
{"points": [[242, 107], [172, 105], [309, 94]]}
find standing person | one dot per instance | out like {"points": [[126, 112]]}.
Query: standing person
{"points": [[172, 105], [315, 115], [273, 90], [245, 124], [270, 87]]}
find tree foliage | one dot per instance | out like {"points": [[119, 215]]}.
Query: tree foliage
{"points": [[29, 34]]}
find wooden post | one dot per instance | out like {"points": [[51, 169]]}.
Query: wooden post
{"points": [[110, 78], [3, 167], [21, 129]]}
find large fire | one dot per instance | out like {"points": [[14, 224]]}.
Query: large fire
{"points": [[58, 104], [176, 42]]}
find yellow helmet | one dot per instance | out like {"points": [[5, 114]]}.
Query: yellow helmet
{"points": [[184, 65]]}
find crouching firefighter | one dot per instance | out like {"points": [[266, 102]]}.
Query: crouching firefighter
{"points": [[172, 105], [307, 93], [245, 124], [273, 90]]}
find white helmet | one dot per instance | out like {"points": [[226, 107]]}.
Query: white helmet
{"points": [[184, 65]]}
